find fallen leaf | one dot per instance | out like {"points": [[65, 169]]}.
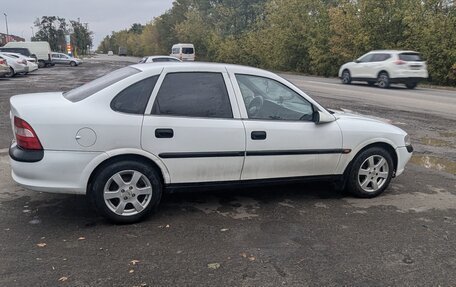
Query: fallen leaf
{"points": [[131, 271], [251, 258], [63, 279], [243, 255], [213, 266], [134, 262], [81, 238], [41, 244], [224, 229], [167, 226]]}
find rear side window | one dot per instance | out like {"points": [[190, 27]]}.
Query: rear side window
{"points": [[133, 100], [410, 57], [380, 57], [187, 50], [193, 95], [90, 88]]}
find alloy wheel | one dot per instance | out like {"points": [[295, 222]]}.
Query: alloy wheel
{"points": [[127, 192], [373, 173]]}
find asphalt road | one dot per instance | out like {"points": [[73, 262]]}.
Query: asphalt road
{"points": [[284, 235]]}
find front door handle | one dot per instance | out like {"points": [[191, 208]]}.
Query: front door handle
{"points": [[164, 133], [258, 135]]}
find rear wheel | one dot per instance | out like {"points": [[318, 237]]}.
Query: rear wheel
{"points": [[411, 85], [41, 64], [10, 73], [346, 77], [126, 191], [370, 173], [383, 80]]}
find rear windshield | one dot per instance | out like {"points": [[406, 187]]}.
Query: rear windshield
{"points": [[23, 51], [90, 88], [187, 50], [410, 57]]}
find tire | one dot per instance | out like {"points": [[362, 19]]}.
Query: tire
{"points": [[126, 191], [41, 64], [346, 77], [411, 86], [371, 83], [10, 73], [383, 80], [370, 173], [73, 64]]}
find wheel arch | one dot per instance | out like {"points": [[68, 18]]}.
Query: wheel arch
{"points": [[381, 144], [116, 156], [383, 71]]}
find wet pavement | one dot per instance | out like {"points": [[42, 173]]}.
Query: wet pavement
{"points": [[281, 235]]}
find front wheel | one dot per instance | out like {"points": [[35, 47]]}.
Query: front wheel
{"points": [[73, 64], [371, 173], [10, 73], [346, 77], [126, 191], [41, 64]]}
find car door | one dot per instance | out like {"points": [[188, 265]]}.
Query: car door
{"points": [[282, 138], [360, 69], [193, 125], [56, 59]]}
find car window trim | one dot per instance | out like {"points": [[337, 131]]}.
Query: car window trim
{"points": [[314, 108]]}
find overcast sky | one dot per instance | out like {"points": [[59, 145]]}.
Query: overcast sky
{"points": [[103, 16]]}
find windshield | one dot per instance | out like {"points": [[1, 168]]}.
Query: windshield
{"points": [[90, 88]]}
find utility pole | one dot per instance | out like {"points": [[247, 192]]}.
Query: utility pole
{"points": [[7, 32], [33, 33]]}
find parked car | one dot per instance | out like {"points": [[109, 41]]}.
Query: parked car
{"points": [[23, 51], [31, 62], [386, 67], [126, 137], [4, 68], [60, 58], [41, 49], [110, 53], [158, 59], [184, 52], [16, 66], [123, 51]]}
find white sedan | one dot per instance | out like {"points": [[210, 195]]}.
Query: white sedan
{"points": [[126, 137], [158, 59]]}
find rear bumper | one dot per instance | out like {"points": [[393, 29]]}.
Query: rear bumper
{"points": [[407, 79], [57, 171]]}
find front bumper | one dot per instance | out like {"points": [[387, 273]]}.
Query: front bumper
{"points": [[404, 154]]}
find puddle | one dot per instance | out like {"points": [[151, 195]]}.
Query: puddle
{"points": [[448, 134], [432, 162], [435, 142], [438, 199]]}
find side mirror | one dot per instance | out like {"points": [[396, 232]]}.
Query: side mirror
{"points": [[323, 118], [357, 61]]}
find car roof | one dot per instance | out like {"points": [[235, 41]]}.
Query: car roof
{"points": [[201, 66], [164, 56], [393, 51]]}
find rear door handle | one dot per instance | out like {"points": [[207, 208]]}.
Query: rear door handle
{"points": [[258, 135], [164, 133]]}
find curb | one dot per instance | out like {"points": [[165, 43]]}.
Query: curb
{"points": [[4, 151]]}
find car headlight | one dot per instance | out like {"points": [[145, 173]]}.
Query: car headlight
{"points": [[407, 140]]}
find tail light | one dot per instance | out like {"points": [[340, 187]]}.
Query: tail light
{"points": [[26, 137], [400, 62], [2, 62]]}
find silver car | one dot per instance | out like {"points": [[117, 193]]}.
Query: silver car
{"points": [[4, 68], [60, 58]]}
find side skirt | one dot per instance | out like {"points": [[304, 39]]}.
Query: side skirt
{"points": [[200, 186]]}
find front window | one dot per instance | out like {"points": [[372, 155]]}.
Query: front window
{"points": [[268, 99], [90, 88], [365, 59], [176, 51]]}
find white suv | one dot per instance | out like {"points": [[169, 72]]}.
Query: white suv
{"points": [[385, 67]]}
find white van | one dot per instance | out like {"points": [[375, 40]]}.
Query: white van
{"points": [[40, 49], [184, 52]]}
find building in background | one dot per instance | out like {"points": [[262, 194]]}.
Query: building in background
{"points": [[9, 38]]}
